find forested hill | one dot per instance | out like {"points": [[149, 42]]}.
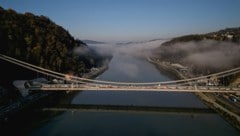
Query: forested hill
{"points": [[203, 53], [227, 35], [38, 40]]}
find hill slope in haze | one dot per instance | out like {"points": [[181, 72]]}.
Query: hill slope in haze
{"points": [[227, 35], [205, 53]]}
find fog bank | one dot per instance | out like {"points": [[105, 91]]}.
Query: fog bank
{"points": [[124, 53], [138, 49], [207, 55]]}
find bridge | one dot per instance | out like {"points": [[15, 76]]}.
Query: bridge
{"points": [[207, 83], [129, 108]]}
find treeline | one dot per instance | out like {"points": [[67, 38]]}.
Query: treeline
{"points": [[227, 35], [38, 40], [203, 53]]}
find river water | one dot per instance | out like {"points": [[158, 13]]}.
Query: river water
{"points": [[125, 67]]}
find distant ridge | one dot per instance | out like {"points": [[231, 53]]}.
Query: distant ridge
{"points": [[92, 42], [228, 34], [139, 42]]}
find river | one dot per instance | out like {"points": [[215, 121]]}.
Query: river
{"points": [[125, 67]]}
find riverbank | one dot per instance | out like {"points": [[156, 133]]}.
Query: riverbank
{"points": [[22, 103], [211, 100], [95, 72], [23, 114]]}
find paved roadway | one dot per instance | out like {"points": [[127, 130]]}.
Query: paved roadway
{"points": [[90, 87]]}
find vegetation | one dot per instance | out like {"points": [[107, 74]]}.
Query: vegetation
{"points": [[38, 40], [228, 35], [203, 53]]}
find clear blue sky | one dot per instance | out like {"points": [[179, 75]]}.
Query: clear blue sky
{"points": [[123, 20]]}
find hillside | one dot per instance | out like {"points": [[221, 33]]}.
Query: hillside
{"points": [[38, 40], [227, 35], [203, 53]]}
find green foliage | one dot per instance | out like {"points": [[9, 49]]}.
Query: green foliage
{"points": [[38, 40]]}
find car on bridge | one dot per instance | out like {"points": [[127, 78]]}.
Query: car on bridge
{"points": [[232, 98], [34, 84]]}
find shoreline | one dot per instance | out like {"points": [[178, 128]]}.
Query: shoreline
{"points": [[208, 99], [23, 103], [95, 73], [27, 109]]}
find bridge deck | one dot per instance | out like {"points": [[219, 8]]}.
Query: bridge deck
{"points": [[65, 87], [86, 84]]}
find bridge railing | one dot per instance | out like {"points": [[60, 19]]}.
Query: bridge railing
{"points": [[75, 79]]}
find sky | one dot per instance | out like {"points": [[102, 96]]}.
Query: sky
{"points": [[133, 20]]}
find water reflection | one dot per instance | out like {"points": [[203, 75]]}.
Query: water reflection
{"points": [[98, 123]]}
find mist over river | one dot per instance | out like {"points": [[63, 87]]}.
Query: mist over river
{"points": [[129, 68]]}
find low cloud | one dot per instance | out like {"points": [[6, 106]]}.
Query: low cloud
{"points": [[123, 54], [129, 69], [138, 49], [206, 55], [82, 50]]}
